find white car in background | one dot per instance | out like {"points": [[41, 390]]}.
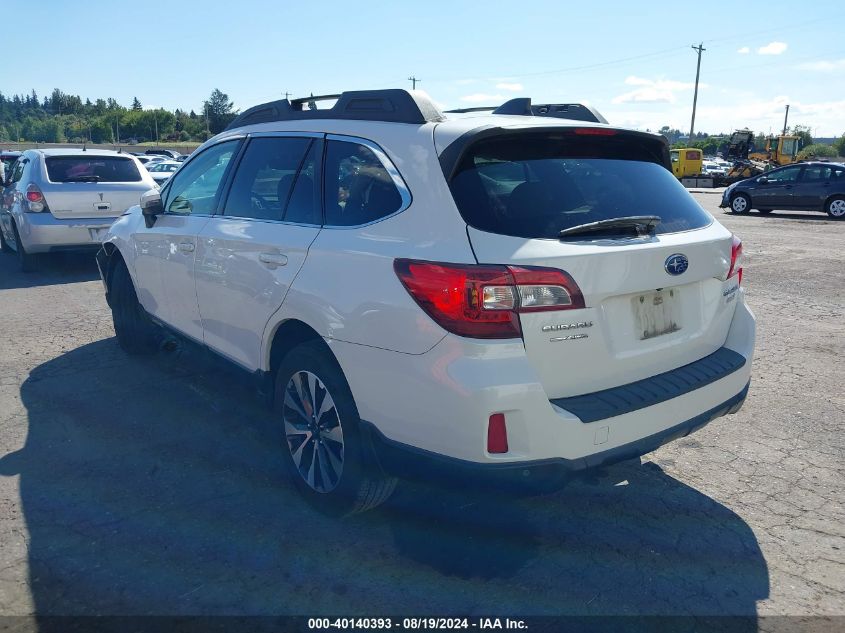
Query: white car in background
{"points": [[162, 170], [508, 296], [66, 199]]}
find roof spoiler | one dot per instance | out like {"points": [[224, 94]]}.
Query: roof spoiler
{"points": [[522, 107], [392, 105]]}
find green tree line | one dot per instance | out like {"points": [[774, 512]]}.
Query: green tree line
{"points": [[62, 118]]}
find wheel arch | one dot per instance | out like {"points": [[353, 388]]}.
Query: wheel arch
{"points": [[285, 336], [113, 257], [830, 199]]}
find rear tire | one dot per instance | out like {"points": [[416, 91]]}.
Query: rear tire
{"points": [[740, 204], [26, 261], [835, 207], [136, 333], [327, 455]]}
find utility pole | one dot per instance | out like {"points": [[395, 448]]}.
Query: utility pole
{"points": [[700, 50], [785, 119], [287, 95], [413, 81]]}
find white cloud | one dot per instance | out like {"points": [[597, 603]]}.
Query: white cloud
{"points": [[483, 98], [824, 65], [645, 95], [739, 111], [744, 50], [654, 90], [511, 87], [773, 48]]}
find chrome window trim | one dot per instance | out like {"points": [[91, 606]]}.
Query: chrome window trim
{"points": [[282, 134], [223, 216], [395, 176]]}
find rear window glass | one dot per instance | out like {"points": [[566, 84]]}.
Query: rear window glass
{"points": [[91, 169], [535, 186]]}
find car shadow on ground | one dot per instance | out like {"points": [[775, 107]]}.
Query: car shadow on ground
{"points": [[52, 269], [154, 486]]}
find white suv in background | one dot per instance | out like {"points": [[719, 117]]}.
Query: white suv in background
{"points": [[66, 199], [510, 295]]}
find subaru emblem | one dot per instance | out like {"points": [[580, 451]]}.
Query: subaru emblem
{"points": [[676, 264]]}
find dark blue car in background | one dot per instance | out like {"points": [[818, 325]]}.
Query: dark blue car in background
{"points": [[811, 186]]}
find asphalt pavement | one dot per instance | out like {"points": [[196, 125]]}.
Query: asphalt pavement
{"points": [[154, 486]]}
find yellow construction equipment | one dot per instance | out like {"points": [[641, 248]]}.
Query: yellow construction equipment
{"points": [[780, 150]]}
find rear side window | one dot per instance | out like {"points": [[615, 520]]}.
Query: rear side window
{"points": [[536, 185], [359, 189], [91, 169]]}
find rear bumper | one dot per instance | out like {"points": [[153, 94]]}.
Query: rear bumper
{"points": [[440, 402], [409, 462], [43, 233]]}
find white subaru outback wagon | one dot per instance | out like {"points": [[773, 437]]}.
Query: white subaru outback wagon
{"points": [[508, 296]]}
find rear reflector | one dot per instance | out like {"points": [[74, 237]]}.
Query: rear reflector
{"points": [[497, 434]]}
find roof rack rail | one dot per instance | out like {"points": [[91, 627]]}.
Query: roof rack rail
{"points": [[522, 107], [392, 105]]}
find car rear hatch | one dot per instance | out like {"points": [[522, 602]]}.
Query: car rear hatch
{"points": [[95, 186], [656, 293]]}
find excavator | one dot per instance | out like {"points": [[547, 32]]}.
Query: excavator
{"points": [[748, 162]]}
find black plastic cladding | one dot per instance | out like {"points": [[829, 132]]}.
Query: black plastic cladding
{"points": [[393, 106]]}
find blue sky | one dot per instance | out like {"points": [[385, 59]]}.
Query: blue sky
{"points": [[631, 60]]}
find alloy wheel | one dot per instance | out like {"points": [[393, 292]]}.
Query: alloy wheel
{"points": [[837, 208], [739, 204], [313, 431]]}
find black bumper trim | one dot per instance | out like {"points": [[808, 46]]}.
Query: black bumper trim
{"points": [[410, 462], [648, 392]]}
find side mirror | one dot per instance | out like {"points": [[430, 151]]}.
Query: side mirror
{"points": [[762, 180], [151, 207]]}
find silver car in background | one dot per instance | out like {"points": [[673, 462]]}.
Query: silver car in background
{"points": [[66, 199]]}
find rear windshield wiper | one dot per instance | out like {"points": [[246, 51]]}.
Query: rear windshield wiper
{"points": [[639, 225], [82, 179]]}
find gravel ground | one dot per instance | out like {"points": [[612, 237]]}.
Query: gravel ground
{"points": [[152, 486]]}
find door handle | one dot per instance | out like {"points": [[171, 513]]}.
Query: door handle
{"points": [[186, 247], [272, 259]]}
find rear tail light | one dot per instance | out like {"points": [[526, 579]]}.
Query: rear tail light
{"points": [[497, 434], [736, 260], [35, 202], [484, 301]]}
